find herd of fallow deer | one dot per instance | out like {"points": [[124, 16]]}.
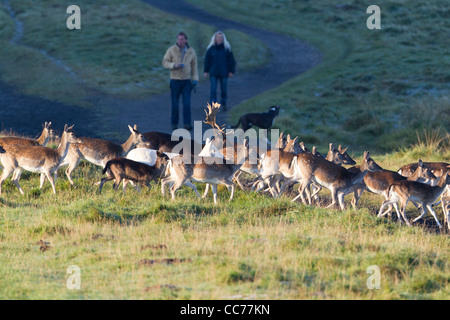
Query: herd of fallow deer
{"points": [[147, 157]]}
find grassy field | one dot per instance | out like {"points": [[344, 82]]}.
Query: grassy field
{"points": [[118, 50], [375, 88], [144, 246]]}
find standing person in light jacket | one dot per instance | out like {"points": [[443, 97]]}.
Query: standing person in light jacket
{"points": [[181, 60], [219, 66]]}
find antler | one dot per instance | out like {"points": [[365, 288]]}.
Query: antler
{"points": [[211, 116]]}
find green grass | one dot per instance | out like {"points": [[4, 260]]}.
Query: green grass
{"points": [[254, 247], [364, 94], [118, 50], [374, 88]]}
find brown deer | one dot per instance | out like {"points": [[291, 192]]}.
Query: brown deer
{"points": [[287, 166], [426, 195], [46, 135], [36, 159], [204, 169], [334, 177], [435, 168], [119, 169], [445, 199], [379, 182], [99, 151]]}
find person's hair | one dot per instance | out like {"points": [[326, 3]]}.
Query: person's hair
{"points": [[182, 34], [225, 42]]}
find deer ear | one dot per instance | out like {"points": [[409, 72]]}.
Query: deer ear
{"points": [[302, 145], [420, 163], [71, 127], [65, 127], [314, 150], [331, 147], [366, 155], [135, 127], [131, 129]]}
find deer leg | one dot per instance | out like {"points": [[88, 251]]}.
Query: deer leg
{"points": [[117, 181], [271, 189], [403, 212], [214, 190], [189, 184], [357, 193], [430, 208], [102, 182], [52, 181], [16, 177], [445, 201], [42, 180], [333, 199], [303, 186], [175, 187], [7, 171], [423, 210], [389, 209], [206, 191], [340, 197], [165, 181], [385, 203], [230, 187], [72, 165], [317, 189], [236, 177]]}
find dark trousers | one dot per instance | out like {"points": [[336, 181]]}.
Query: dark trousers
{"points": [[183, 88], [223, 89]]}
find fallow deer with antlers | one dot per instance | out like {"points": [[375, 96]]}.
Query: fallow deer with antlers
{"points": [[204, 169]]}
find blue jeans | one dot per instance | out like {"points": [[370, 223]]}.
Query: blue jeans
{"points": [[183, 88], [223, 89]]}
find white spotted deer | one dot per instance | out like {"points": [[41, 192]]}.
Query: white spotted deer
{"points": [[36, 159], [214, 171], [100, 151], [46, 135], [379, 182], [336, 178], [423, 194], [437, 168]]}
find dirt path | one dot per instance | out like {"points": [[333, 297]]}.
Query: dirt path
{"points": [[290, 57]]}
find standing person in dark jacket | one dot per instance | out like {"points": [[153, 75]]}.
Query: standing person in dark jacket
{"points": [[219, 66]]}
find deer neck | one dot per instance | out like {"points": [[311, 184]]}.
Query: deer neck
{"points": [[128, 145], [63, 147], [43, 138], [442, 182], [416, 176]]}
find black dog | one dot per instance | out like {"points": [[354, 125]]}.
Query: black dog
{"points": [[262, 120]]}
